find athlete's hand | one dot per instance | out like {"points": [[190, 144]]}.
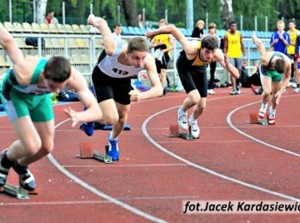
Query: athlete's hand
{"points": [[278, 96], [91, 19], [149, 34], [73, 115], [134, 95]]}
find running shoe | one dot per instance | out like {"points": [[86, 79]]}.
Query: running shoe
{"points": [[182, 119], [195, 130], [262, 111], [88, 128], [3, 170], [27, 180], [113, 148]]}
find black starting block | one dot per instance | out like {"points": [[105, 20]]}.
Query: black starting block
{"points": [[175, 132], [16, 191], [254, 119], [86, 152]]}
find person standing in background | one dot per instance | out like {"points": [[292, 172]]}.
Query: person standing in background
{"points": [[198, 31], [50, 19], [280, 40], [293, 33], [163, 45], [117, 32], [235, 49], [212, 28]]}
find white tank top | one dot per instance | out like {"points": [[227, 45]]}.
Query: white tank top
{"points": [[111, 67]]}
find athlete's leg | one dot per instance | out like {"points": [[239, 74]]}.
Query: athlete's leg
{"points": [[118, 127]]}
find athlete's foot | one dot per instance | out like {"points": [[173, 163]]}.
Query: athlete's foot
{"points": [[182, 119], [113, 148], [27, 181], [88, 128], [3, 170]]}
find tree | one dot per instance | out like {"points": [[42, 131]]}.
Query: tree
{"points": [[226, 13], [41, 6], [130, 14]]}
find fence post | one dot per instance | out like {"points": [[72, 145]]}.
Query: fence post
{"points": [[266, 23], [63, 12], [118, 14], [255, 23], [91, 8], [206, 20], [144, 17], [241, 22], [166, 15]]}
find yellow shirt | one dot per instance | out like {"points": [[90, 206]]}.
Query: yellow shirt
{"points": [[293, 37], [163, 39], [234, 45]]}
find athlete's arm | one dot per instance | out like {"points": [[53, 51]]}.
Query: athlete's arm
{"points": [[92, 113], [224, 61], [188, 47], [108, 40], [259, 44], [156, 88]]}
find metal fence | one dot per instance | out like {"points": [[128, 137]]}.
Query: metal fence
{"points": [[83, 52]]}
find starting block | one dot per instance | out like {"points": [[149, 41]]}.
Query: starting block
{"points": [[175, 132], [17, 191], [254, 119], [86, 152]]}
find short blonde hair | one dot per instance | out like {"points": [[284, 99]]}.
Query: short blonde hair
{"points": [[163, 21], [280, 22], [200, 22]]}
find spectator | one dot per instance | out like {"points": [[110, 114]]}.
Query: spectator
{"points": [[293, 33], [280, 39], [117, 32], [212, 32], [140, 21], [198, 30], [163, 45], [50, 19], [235, 49]]}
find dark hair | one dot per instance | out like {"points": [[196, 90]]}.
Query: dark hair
{"points": [[118, 25], [280, 65], [209, 42], [137, 44], [232, 22], [57, 69]]}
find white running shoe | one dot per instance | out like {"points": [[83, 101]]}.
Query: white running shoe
{"points": [[296, 90], [182, 119], [195, 130], [211, 91], [263, 110]]}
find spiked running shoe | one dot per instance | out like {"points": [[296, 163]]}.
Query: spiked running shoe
{"points": [[113, 148], [182, 119], [271, 119], [3, 170], [27, 181], [88, 128], [195, 130]]}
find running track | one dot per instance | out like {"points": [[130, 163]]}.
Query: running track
{"points": [[233, 161]]}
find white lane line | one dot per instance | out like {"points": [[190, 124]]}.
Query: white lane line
{"points": [[128, 166], [100, 202], [209, 171], [99, 193], [270, 146]]}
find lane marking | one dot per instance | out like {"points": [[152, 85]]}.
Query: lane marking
{"points": [[209, 171], [99, 193], [268, 145], [100, 202]]}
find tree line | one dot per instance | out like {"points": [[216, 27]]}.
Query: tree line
{"points": [[76, 11]]}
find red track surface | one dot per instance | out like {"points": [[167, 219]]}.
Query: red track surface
{"points": [[157, 174]]}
